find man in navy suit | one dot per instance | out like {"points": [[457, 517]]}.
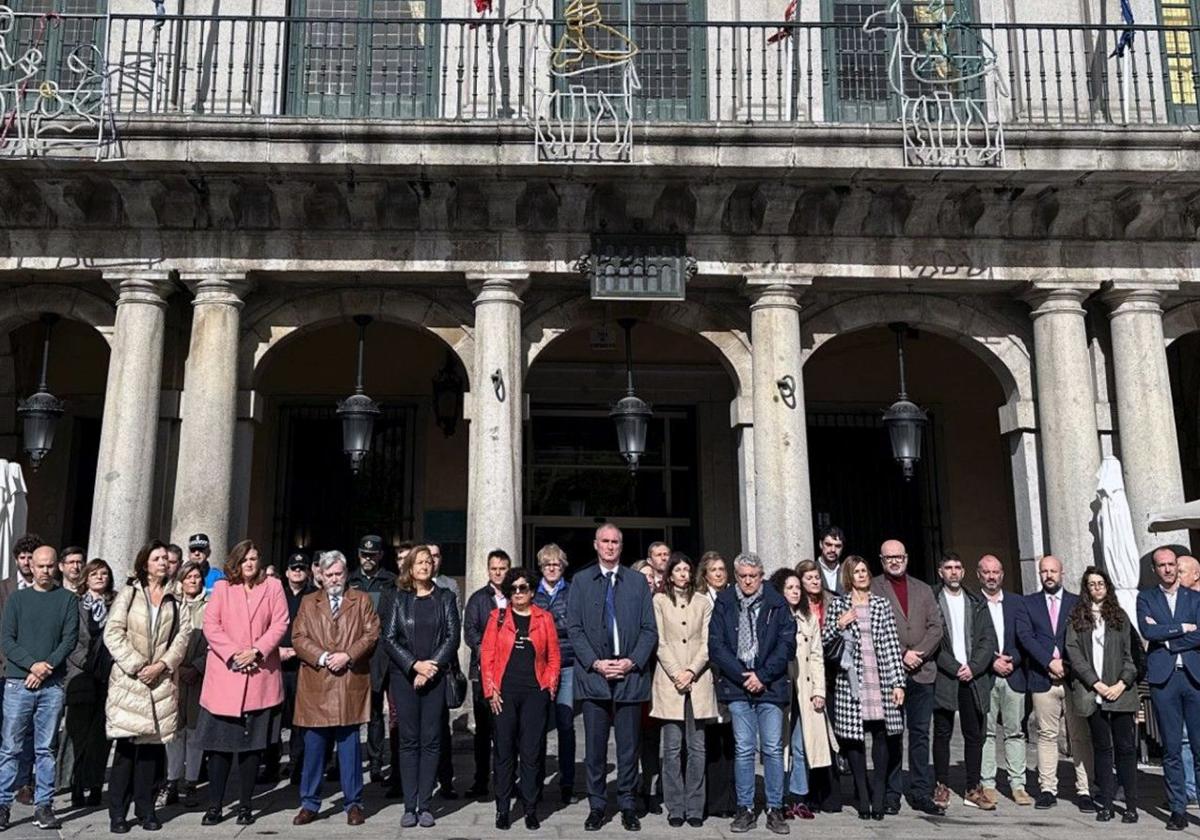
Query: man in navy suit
{"points": [[610, 621], [1008, 691], [1041, 635], [1168, 615]]}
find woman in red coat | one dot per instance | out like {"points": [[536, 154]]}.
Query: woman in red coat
{"points": [[519, 665]]}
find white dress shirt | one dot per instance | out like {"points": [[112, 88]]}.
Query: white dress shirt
{"points": [[957, 619], [996, 612]]}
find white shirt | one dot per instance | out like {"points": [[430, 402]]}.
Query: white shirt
{"points": [[829, 576], [500, 601], [1172, 597], [1098, 647], [610, 577], [958, 624], [22, 583], [996, 611]]}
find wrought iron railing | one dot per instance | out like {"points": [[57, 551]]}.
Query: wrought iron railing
{"points": [[474, 70]]}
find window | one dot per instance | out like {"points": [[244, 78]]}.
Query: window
{"points": [[56, 38], [364, 58], [1179, 56]]}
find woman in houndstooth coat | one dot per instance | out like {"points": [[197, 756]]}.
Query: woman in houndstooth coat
{"points": [[860, 636]]}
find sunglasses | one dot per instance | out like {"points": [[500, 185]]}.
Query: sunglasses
{"points": [[520, 588]]}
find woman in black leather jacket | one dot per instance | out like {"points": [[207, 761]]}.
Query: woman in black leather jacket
{"points": [[421, 631]]}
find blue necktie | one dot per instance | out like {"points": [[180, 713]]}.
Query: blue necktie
{"points": [[610, 607]]}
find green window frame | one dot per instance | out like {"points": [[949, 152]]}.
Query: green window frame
{"points": [[1181, 74], [364, 58], [56, 38]]}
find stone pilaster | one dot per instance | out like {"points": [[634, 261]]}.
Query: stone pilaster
{"points": [[497, 411], [782, 502], [1070, 445], [204, 475], [1145, 413], [123, 496]]}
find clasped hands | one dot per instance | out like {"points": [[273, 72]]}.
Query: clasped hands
{"points": [[1111, 693], [246, 661], [427, 670], [613, 669], [39, 672]]}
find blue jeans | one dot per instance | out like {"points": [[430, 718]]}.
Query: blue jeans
{"points": [[798, 777], [24, 710], [756, 724], [349, 754], [25, 765]]}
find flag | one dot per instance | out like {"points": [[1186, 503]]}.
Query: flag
{"points": [[788, 14], [1125, 41]]}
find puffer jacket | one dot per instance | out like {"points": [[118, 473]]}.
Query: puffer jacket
{"points": [[150, 714]]}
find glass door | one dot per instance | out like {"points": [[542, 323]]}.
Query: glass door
{"points": [[1179, 59]]}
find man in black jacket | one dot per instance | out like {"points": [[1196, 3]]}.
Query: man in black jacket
{"points": [[372, 578], [296, 585], [479, 608]]}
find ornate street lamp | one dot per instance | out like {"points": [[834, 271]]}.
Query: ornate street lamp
{"points": [[904, 419], [447, 397], [358, 411], [40, 412], [631, 414]]}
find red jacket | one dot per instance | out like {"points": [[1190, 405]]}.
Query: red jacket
{"points": [[498, 644]]}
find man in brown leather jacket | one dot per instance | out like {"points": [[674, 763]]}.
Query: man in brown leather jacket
{"points": [[333, 635]]}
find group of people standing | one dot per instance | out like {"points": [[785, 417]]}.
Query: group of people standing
{"points": [[186, 670]]}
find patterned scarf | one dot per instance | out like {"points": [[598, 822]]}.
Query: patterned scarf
{"points": [[97, 606], [747, 642]]}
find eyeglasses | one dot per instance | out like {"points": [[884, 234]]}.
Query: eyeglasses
{"points": [[520, 588]]}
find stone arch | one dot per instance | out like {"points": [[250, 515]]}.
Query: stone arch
{"points": [[1003, 345], [280, 320], [1180, 320], [718, 327]]}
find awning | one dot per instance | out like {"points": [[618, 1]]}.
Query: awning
{"points": [[1176, 518]]}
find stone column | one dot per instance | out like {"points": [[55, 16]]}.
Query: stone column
{"points": [[1018, 429], [204, 475], [249, 416], [494, 505], [782, 503], [1145, 413], [124, 490], [1067, 417]]}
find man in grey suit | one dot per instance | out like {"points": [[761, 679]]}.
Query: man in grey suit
{"points": [[919, 626]]}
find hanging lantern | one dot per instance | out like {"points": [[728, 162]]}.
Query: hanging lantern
{"points": [[904, 420], [447, 397], [358, 411], [630, 414], [41, 411]]}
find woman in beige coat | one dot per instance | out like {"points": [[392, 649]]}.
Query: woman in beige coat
{"points": [[147, 635], [683, 693], [809, 732]]}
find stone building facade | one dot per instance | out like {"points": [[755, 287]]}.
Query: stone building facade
{"points": [[254, 185]]}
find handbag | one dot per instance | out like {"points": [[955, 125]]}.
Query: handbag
{"points": [[456, 686]]}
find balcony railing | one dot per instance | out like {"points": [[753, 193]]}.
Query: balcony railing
{"points": [[474, 70]]}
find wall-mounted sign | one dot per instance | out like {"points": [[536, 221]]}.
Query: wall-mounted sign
{"points": [[637, 267]]}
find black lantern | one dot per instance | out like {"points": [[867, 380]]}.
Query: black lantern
{"points": [[904, 419], [447, 397], [358, 411], [631, 414], [40, 412]]}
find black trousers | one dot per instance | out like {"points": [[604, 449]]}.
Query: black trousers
{"points": [[273, 753], [1114, 732], [377, 734], [137, 771], [419, 733], [520, 736], [971, 722], [650, 756], [886, 752], [445, 771], [625, 719], [483, 736], [825, 788], [718, 769], [219, 766]]}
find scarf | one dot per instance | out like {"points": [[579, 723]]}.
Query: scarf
{"points": [[747, 640], [97, 606]]}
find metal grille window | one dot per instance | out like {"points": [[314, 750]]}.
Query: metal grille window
{"points": [[364, 58], [1179, 57]]}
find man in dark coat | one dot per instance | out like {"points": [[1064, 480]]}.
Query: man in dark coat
{"points": [[372, 578], [751, 642], [610, 619], [475, 619], [964, 682], [295, 586]]}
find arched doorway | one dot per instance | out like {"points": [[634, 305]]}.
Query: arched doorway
{"points": [[961, 498], [685, 492], [413, 484], [1183, 362]]}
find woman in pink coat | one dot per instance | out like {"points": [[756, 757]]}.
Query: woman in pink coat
{"points": [[242, 696]]}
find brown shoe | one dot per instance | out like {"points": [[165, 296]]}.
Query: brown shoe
{"points": [[976, 798], [304, 817], [941, 795], [355, 816], [992, 795], [1022, 798], [25, 795]]}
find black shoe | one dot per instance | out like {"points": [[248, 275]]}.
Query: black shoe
{"points": [[532, 823], [1129, 817], [44, 817], [925, 805], [1177, 822], [211, 817], [777, 822], [675, 822], [394, 792], [4, 818], [447, 792], [1086, 805], [891, 808], [877, 815], [864, 813], [151, 823], [567, 796], [1104, 815], [594, 821], [245, 816], [118, 827], [1045, 800], [744, 821], [503, 822], [93, 798], [377, 776], [695, 822], [477, 791], [78, 800], [630, 821]]}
